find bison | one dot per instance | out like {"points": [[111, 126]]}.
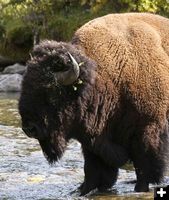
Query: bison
{"points": [[109, 89]]}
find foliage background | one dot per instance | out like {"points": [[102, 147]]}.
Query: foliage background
{"points": [[24, 22]]}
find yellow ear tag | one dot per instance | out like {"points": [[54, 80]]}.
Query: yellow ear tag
{"points": [[74, 88], [79, 82], [80, 64]]}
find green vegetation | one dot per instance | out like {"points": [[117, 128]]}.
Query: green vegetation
{"points": [[24, 22]]}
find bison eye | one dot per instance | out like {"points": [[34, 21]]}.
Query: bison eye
{"points": [[58, 66], [46, 121]]}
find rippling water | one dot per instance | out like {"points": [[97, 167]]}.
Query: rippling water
{"points": [[25, 174]]}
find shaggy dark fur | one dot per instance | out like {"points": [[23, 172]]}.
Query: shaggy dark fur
{"points": [[92, 112]]}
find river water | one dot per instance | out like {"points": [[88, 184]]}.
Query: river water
{"points": [[25, 174]]}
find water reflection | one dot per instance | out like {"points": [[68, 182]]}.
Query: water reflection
{"points": [[25, 174]]}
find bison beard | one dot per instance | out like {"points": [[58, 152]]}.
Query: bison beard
{"points": [[53, 150], [49, 151]]}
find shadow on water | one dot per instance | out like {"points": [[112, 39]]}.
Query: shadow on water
{"points": [[25, 174]]}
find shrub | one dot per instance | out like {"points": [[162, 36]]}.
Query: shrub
{"points": [[2, 31], [20, 37]]}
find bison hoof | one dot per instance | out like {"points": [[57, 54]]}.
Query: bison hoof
{"points": [[103, 189], [86, 188]]}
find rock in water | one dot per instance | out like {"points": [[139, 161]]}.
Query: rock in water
{"points": [[15, 69], [10, 82]]}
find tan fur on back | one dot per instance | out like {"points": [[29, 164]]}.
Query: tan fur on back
{"points": [[132, 51]]}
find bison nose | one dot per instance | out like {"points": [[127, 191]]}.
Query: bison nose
{"points": [[31, 131]]}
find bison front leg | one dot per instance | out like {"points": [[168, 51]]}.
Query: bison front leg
{"points": [[97, 174]]}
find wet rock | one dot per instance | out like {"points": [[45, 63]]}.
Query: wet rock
{"points": [[15, 69], [10, 82]]}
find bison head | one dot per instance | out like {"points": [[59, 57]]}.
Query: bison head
{"points": [[56, 76]]}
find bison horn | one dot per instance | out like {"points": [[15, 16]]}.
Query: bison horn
{"points": [[70, 76]]}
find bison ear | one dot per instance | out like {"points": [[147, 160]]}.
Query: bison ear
{"points": [[69, 76]]}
